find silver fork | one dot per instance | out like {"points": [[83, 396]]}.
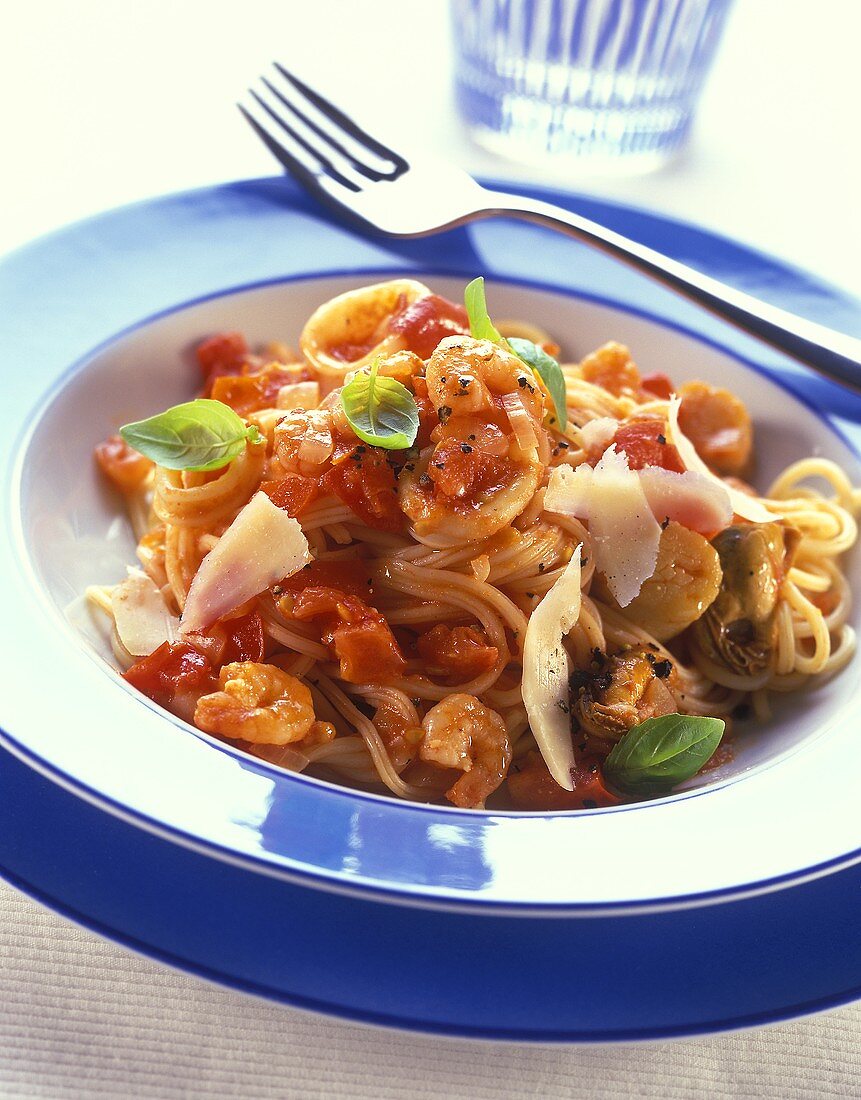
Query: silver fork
{"points": [[358, 175]]}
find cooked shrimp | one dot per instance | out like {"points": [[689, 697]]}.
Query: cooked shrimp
{"points": [[257, 703], [612, 368], [398, 735], [718, 425], [462, 733], [304, 441], [685, 583], [465, 375], [490, 443]]}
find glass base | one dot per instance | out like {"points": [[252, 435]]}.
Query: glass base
{"points": [[606, 140], [583, 158]]}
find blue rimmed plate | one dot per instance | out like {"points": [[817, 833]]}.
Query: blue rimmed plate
{"points": [[137, 286]]}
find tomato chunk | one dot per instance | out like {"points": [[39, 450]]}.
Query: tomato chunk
{"points": [[246, 393], [658, 384], [425, 322], [359, 635], [126, 467], [227, 641], [467, 464], [645, 444], [350, 353], [293, 493], [175, 672], [351, 577], [245, 640], [221, 354], [366, 483], [532, 787], [460, 652]]}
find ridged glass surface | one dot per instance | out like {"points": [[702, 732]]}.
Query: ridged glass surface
{"points": [[613, 81]]}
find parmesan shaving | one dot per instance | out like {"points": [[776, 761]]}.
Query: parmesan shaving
{"points": [[624, 531], [696, 502], [141, 616], [598, 433], [262, 545], [546, 668], [747, 507]]}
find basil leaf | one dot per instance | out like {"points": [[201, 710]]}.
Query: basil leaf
{"points": [[480, 325], [381, 411], [198, 435], [545, 366], [660, 753], [548, 370]]}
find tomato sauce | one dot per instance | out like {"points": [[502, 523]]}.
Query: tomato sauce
{"points": [[247, 393], [532, 787], [350, 577], [365, 481], [425, 322], [222, 354], [172, 668], [460, 653], [293, 493]]}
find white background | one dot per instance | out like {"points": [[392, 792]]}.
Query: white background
{"points": [[106, 102], [102, 103]]}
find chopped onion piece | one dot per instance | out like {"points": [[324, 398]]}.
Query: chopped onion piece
{"points": [[298, 395], [262, 545], [521, 424], [569, 491], [266, 420], [142, 618], [546, 669], [743, 505], [699, 503], [625, 534]]}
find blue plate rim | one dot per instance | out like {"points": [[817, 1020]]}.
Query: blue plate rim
{"points": [[223, 973]]}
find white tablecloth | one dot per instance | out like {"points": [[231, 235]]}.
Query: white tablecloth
{"points": [[105, 103], [80, 1017]]}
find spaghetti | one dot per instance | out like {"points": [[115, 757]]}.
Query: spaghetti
{"points": [[393, 657]]}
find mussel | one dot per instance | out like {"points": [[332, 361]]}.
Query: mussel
{"points": [[619, 692], [739, 630]]}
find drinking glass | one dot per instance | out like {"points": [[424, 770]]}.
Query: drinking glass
{"points": [[610, 84]]}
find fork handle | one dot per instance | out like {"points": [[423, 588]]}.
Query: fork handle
{"points": [[830, 353]]}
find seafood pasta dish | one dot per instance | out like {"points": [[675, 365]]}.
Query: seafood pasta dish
{"points": [[424, 555]]}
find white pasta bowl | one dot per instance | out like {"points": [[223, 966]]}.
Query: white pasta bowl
{"points": [[98, 735]]}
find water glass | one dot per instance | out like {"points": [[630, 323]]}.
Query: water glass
{"points": [[610, 84]]}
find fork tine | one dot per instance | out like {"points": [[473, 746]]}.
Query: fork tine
{"points": [[293, 165], [326, 166], [337, 116], [364, 169]]}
